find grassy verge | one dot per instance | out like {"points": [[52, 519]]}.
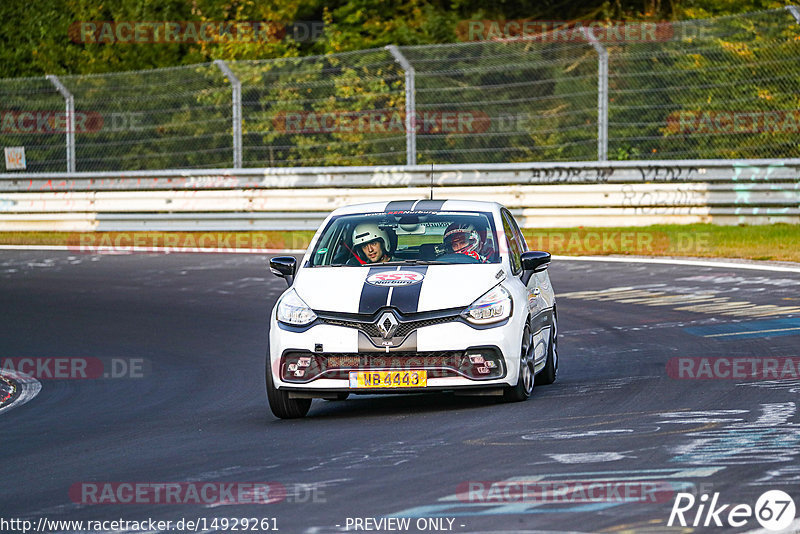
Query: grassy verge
{"points": [[773, 242], [84, 241], [769, 242]]}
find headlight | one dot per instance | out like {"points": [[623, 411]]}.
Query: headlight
{"points": [[493, 306], [292, 310]]}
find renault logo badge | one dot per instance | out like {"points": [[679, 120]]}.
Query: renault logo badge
{"points": [[387, 325]]}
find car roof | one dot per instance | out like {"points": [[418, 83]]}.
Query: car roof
{"points": [[418, 205]]}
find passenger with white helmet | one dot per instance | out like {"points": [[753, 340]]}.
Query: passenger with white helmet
{"points": [[373, 242]]}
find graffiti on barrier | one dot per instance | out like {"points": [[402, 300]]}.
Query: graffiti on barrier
{"points": [[570, 175], [660, 201], [669, 174]]}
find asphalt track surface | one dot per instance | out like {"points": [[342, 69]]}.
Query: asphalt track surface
{"points": [[199, 322]]}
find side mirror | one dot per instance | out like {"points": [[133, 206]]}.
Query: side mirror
{"points": [[535, 260], [283, 266]]}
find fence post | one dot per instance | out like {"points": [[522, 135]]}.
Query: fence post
{"points": [[602, 95], [236, 90], [411, 126], [70, 106]]}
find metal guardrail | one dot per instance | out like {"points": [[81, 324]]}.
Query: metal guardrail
{"points": [[664, 171], [541, 194], [741, 196]]}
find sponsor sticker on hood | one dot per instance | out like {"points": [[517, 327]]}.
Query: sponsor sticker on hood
{"points": [[395, 278]]}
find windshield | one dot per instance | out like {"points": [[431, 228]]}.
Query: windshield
{"points": [[408, 237]]}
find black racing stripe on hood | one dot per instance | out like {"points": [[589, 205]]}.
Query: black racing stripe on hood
{"points": [[373, 297], [430, 205], [406, 298], [399, 205]]}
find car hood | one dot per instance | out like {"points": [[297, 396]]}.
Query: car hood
{"points": [[413, 288]]}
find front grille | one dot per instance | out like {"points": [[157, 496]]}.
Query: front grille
{"points": [[338, 365], [344, 361], [475, 363], [399, 360], [370, 329], [404, 327]]}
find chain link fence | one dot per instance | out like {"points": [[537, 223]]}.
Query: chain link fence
{"points": [[718, 88], [715, 88]]}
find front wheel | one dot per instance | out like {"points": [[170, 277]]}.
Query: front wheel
{"points": [[525, 381], [280, 403]]}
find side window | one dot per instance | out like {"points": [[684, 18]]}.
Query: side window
{"points": [[520, 236], [512, 240], [331, 250]]}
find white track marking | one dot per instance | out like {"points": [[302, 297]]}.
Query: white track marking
{"points": [[29, 388], [588, 457], [748, 332], [696, 263], [793, 527]]}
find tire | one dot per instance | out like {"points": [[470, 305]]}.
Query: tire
{"points": [[525, 381], [280, 403], [550, 372]]}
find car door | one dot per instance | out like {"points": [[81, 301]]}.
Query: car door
{"points": [[537, 287]]}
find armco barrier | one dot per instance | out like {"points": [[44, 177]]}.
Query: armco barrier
{"points": [[627, 193]]}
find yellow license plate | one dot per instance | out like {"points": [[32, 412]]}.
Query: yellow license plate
{"points": [[388, 379]]}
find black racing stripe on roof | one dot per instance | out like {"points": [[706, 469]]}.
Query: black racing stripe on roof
{"points": [[430, 205], [399, 205]]}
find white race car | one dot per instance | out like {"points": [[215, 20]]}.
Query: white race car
{"points": [[410, 296]]}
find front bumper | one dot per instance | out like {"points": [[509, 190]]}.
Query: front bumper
{"points": [[327, 354]]}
